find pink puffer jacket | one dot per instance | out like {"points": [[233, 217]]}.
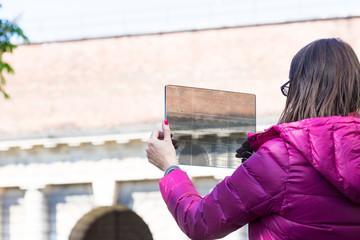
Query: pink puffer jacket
{"points": [[303, 182]]}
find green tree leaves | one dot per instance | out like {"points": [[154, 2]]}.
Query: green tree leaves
{"points": [[8, 30]]}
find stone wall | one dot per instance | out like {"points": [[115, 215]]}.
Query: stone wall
{"points": [[57, 192]]}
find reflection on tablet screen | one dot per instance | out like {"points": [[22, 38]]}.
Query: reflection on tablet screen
{"points": [[209, 125]]}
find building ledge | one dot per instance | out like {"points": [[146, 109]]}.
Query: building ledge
{"points": [[26, 144]]}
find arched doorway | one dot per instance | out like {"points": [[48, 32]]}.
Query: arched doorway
{"points": [[111, 223]]}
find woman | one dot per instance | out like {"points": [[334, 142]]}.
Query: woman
{"points": [[303, 179]]}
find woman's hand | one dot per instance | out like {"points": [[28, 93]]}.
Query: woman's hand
{"points": [[160, 149]]}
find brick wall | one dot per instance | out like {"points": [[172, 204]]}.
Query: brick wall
{"points": [[117, 82]]}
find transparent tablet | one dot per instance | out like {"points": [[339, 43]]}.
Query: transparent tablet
{"points": [[209, 125]]}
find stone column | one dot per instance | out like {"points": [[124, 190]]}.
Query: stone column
{"points": [[104, 192], [233, 162], [221, 151], [36, 215], [2, 190]]}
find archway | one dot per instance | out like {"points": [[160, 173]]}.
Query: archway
{"points": [[111, 223]]}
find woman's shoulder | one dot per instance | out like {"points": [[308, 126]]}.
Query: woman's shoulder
{"points": [[300, 129]]}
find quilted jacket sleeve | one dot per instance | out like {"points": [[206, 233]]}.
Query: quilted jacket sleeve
{"points": [[254, 190]]}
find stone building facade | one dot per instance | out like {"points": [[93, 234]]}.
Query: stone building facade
{"points": [[72, 136], [89, 187]]}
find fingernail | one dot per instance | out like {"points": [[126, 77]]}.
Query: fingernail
{"points": [[166, 122]]}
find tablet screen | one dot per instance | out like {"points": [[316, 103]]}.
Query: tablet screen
{"points": [[209, 125]]}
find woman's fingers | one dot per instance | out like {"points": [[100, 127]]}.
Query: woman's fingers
{"points": [[154, 135], [160, 149], [166, 130], [161, 137]]}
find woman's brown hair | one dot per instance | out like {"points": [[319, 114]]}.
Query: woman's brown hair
{"points": [[324, 81]]}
